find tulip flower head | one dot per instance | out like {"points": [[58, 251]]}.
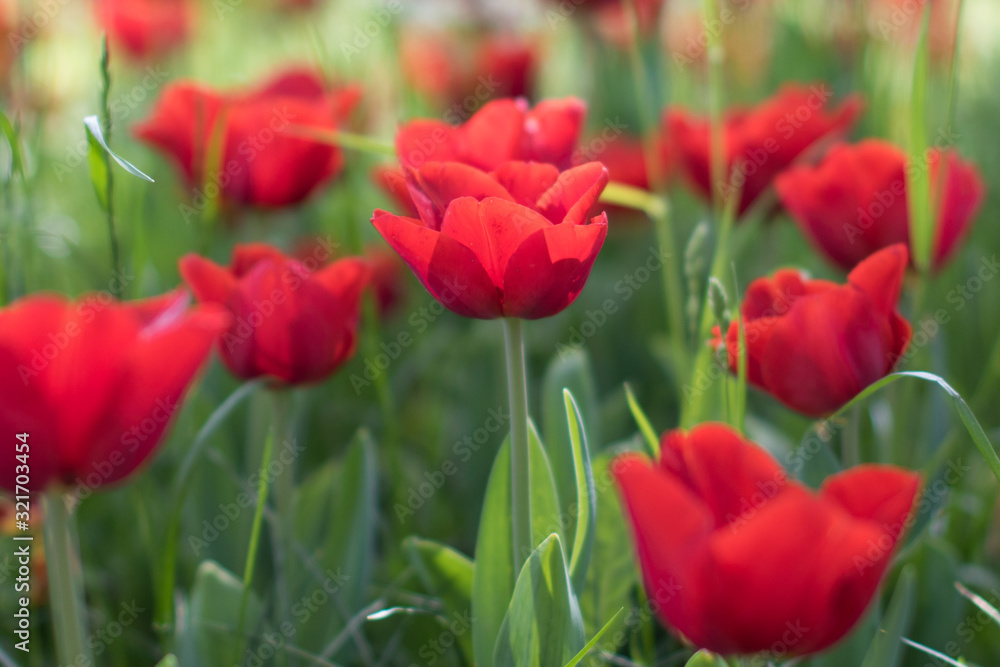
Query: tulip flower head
{"points": [[513, 242], [145, 29], [855, 201], [760, 142], [262, 162], [292, 320], [813, 344], [95, 383], [748, 560]]}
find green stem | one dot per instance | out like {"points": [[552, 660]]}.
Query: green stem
{"points": [[258, 521], [357, 142], [715, 106], [65, 583], [116, 260], [851, 440], [519, 454]]}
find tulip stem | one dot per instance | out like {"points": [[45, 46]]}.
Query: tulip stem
{"points": [[65, 583], [109, 186], [258, 520], [519, 453], [715, 93]]}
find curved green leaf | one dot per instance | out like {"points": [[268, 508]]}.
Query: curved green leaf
{"points": [[448, 574], [543, 626], [886, 650], [648, 433], [586, 495], [95, 136], [596, 638]]}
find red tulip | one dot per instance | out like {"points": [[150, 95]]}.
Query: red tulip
{"points": [[95, 383], [514, 242], [749, 561], [295, 321], [465, 69], [502, 131], [145, 28], [261, 162], [761, 142], [855, 201], [814, 345]]}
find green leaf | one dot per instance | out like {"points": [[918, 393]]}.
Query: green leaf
{"points": [[448, 574], [95, 138], [169, 660], [705, 659], [568, 370], [586, 494], [980, 602], [16, 159], [931, 652], [918, 180], [886, 650], [206, 633], [975, 430], [593, 642], [612, 574], [642, 421], [494, 578], [543, 626]]}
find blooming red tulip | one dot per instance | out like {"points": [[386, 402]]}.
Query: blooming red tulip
{"points": [[814, 345], [502, 131], [95, 383], [295, 321], [855, 201], [145, 28], [261, 163], [761, 142], [748, 560], [515, 242]]}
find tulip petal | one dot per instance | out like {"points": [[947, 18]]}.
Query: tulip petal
{"points": [[883, 495], [550, 268], [552, 129], [526, 181], [573, 194], [435, 185], [422, 141], [446, 268], [881, 276], [731, 475], [962, 198], [493, 134]]}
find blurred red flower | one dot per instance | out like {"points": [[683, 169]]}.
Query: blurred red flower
{"points": [[145, 28], [293, 320], [386, 270], [503, 130], [749, 560], [855, 201], [814, 345], [260, 161], [514, 242], [95, 383], [760, 142], [463, 69]]}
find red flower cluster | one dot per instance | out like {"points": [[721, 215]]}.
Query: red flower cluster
{"points": [[855, 201], [512, 242], [260, 161], [95, 383], [292, 320], [145, 28], [761, 142], [814, 345], [747, 559]]}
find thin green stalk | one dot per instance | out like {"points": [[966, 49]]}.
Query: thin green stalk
{"points": [[657, 209], [65, 583], [715, 105], [116, 261], [258, 521], [851, 440], [519, 454]]}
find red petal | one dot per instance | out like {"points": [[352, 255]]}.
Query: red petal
{"points": [[526, 181], [493, 135], [881, 276], [422, 141], [550, 268], [210, 282], [552, 131], [574, 193], [435, 185]]}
